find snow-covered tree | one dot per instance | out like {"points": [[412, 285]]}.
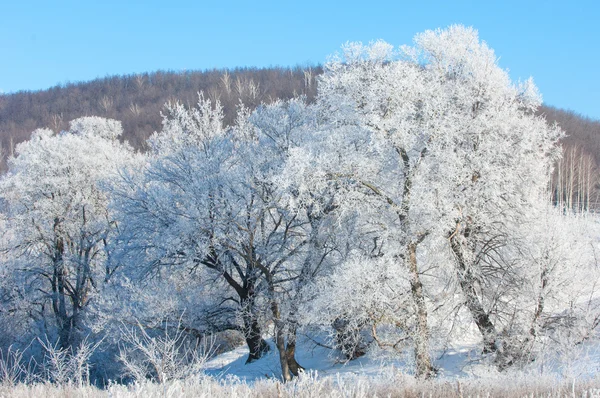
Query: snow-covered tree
{"points": [[492, 168], [430, 143], [206, 201], [380, 113], [57, 218]]}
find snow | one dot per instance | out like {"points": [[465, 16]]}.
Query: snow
{"points": [[314, 358], [463, 362]]}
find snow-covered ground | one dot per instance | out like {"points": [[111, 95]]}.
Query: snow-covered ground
{"points": [[458, 363], [462, 373], [316, 359]]}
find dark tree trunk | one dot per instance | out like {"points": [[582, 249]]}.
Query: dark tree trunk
{"points": [[467, 284], [257, 346], [290, 352], [64, 323]]}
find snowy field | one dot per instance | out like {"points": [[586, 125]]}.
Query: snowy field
{"points": [[461, 372]]}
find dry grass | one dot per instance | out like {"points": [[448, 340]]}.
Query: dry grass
{"points": [[313, 386]]}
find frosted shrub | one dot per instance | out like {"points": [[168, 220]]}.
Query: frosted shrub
{"points": [[13, 368], [164, 357], [67, 366]]}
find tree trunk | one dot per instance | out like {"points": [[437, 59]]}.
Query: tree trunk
{"points": [[283, 359], [64, 323], [290, 352], [280, 339], [287, 353], [257, 346], [480, 316], [424, 368]]}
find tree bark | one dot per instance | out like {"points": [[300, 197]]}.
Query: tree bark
{"points": [[64, 323], [290, 352], [283, 359], [287, 352], [257, 346], [481, 318], [424, 368]]}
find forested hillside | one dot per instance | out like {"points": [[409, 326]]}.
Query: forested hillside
{"points": [[136, 100], [581, 130]]}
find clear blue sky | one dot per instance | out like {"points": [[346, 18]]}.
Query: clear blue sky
{"points": [[44, 43]]}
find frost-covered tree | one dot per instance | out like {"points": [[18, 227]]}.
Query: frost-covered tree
{"points": [[167, 208], [292, 248], [489, 168], [379, 132], [554, 303], [57, 219], [206, 201], [430, 143]]}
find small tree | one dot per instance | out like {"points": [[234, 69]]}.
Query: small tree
{"points": [[165, 356]]}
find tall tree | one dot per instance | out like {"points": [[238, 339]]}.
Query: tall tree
{"points": [[207, 201], [431, 142], [378, 133], [491, 169], [58, 221]]}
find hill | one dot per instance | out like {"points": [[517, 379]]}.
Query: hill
{"points": [[137, 100]]}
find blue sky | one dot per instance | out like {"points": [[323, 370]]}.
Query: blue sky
{"points": [[45, 43]]}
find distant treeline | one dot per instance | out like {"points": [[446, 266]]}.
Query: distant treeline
{"points": [[137, 100], [581, 130]]}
